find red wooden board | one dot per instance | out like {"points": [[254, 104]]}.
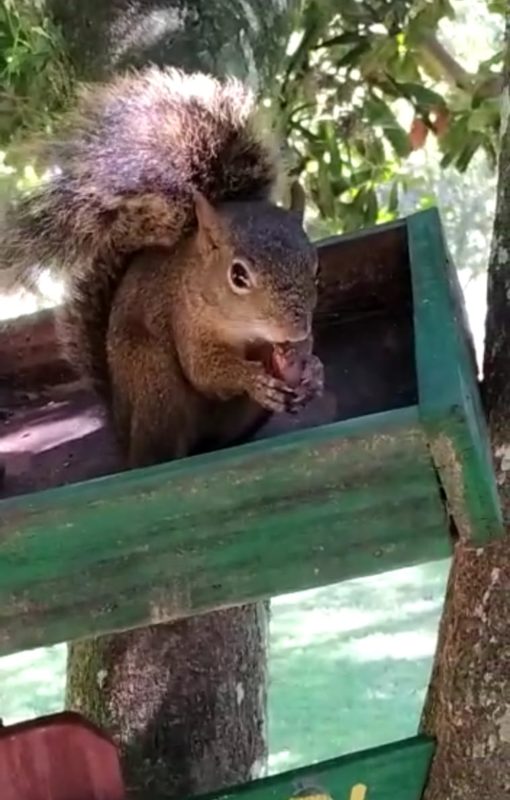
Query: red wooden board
{"points": [[61, 757]]}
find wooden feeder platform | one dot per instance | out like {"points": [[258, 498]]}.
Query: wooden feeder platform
{"points": [[387, 470]]}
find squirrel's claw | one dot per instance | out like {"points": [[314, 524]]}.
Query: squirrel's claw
{"points": [[311, 384], [271, 393]]}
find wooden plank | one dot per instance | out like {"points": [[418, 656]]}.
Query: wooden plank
{"points": [[396, 771], [58, 757], [302, 510], [449, 400], [29, 347], [364, 270]]}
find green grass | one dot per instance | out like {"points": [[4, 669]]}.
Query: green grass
{"points": [[349, 665], [32, 683]]}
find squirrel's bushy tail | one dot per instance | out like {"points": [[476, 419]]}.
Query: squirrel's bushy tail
{"points": [[121, 176]]}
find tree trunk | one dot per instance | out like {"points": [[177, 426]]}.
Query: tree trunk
{"points": [[185, 701], [224, 37], [468, 706]]}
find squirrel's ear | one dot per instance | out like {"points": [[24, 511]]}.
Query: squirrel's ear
{"points": [[297, 199], [209, 222]]}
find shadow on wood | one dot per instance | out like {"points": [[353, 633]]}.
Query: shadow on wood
{"points": [[53, 430]]}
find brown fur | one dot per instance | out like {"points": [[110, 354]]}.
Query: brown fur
{"points": [[178, 345], [143, 163]]}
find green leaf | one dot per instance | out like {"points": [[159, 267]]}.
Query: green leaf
{"points": [[374, 152], [326, 201], [379, 113], [399, 140], [497, 6], [365, 206], [423, 96], [447, 159], [353, 55], [407, 68], [468, 151], [393, 198], [485, 116], [349, 37], [330, 139], [371, 207], [360, 176]]}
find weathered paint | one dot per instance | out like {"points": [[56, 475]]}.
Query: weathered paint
{"points": [[393, 772], [280, 515], [449, 399], [302, 510]]}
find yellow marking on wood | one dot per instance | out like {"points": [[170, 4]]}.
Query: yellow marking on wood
{"points": [[358, 792]]}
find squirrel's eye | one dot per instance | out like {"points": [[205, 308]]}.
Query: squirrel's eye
{"points": [[240, 277]]}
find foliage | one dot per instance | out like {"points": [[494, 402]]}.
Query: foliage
{"points": [[366, 82], [36, 81]]}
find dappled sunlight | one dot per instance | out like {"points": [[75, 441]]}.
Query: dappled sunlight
{"points": [[283, 760], [50, 433], [401, 580], [422, 606], [394, 599], [475, 296], [321, 625], [350, 663], [23, 302], [16, 305], [324, 623], [407, 645], [32, 683]]}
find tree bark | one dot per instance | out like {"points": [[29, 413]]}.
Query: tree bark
{"points": [[468, 705], [186, 701], [224, 37]]}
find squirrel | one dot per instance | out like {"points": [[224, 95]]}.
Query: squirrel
{"points": [[189, 291]]}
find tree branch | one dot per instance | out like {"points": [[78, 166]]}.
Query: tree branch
{"points": [[452, 71], [455, 74]]}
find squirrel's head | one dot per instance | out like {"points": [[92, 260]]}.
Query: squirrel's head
{"points": [[262, 269]]}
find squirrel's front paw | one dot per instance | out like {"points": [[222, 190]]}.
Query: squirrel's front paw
{"points": [[271, 393], [311, 384]]}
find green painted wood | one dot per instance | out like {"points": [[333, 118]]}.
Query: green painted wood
{"points": [[302, 510], [449, 400], [393, 772], [276, 516]]}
